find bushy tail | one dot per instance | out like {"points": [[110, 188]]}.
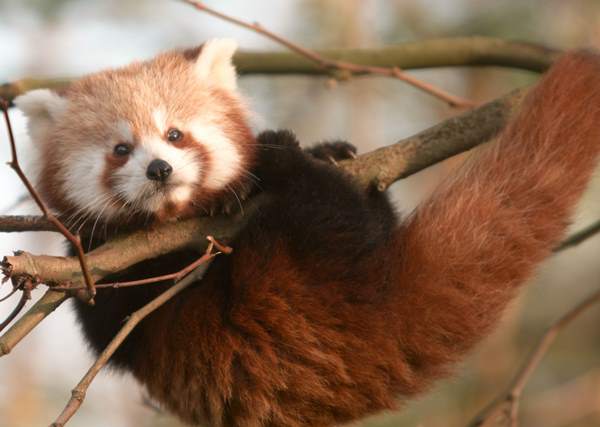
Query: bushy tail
{"points": [[467, 249]]}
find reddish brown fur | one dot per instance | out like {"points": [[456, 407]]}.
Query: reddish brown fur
{"points": [[287, 343]]}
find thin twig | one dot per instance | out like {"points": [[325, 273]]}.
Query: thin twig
{"points": [[507, 404], [26, 287], [20, 200], [10, 294], [331, 64], [78, 393], [579, 236], [14, 164], [26, 323]]}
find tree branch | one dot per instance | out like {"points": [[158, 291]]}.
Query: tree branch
{"points": [[188, 276], [386, 165], [333, 65], [75, 241], [579, 236], [18, 223], [38, 312], [26, 288], [447, 52], [126, 250], [507, 404]]}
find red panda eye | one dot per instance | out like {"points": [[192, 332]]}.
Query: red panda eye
{"points": [[174, 135], [122, 149]]}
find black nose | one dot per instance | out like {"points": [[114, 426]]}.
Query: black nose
{"points": [[158, 170]]}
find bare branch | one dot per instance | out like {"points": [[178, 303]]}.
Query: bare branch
{"points": [[579, 236], [26, 287], [386, 165], [338, 65], [42, 308], [507, 404], [18, 223], [193, 274], [14, 164]]}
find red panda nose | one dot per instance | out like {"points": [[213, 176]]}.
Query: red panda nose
{"points": [[158, 170]]}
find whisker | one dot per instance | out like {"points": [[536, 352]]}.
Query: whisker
{"points": [[237, 198], [96, 223]]}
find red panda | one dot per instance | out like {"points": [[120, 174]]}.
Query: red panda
{"points": [[331, 308]]}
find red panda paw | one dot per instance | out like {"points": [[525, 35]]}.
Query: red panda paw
{"points": [[279, 157], [333, 152]]}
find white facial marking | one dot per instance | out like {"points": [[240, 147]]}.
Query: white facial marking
{"points": [[181, 194], [159, 116], [124, 131], [225, 158], [145, 194], [82, 182]]}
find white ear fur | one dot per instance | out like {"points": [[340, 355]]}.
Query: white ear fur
{"points": [[42, 107], [214, 63]]}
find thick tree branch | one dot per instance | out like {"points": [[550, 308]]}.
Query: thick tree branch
{"points": [[126, 250], [448, 52], [434, 53], [386, 165]]}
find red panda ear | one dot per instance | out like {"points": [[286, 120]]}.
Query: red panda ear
{"points": [[42, 107], [214, 63]]}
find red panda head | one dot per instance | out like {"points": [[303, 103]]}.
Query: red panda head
{"points": [[162, 138]]}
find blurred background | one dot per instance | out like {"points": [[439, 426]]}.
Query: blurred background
{"points": [[70, 37]]}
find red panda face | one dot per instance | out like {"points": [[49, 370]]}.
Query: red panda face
{"points": [[161, 138]]}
